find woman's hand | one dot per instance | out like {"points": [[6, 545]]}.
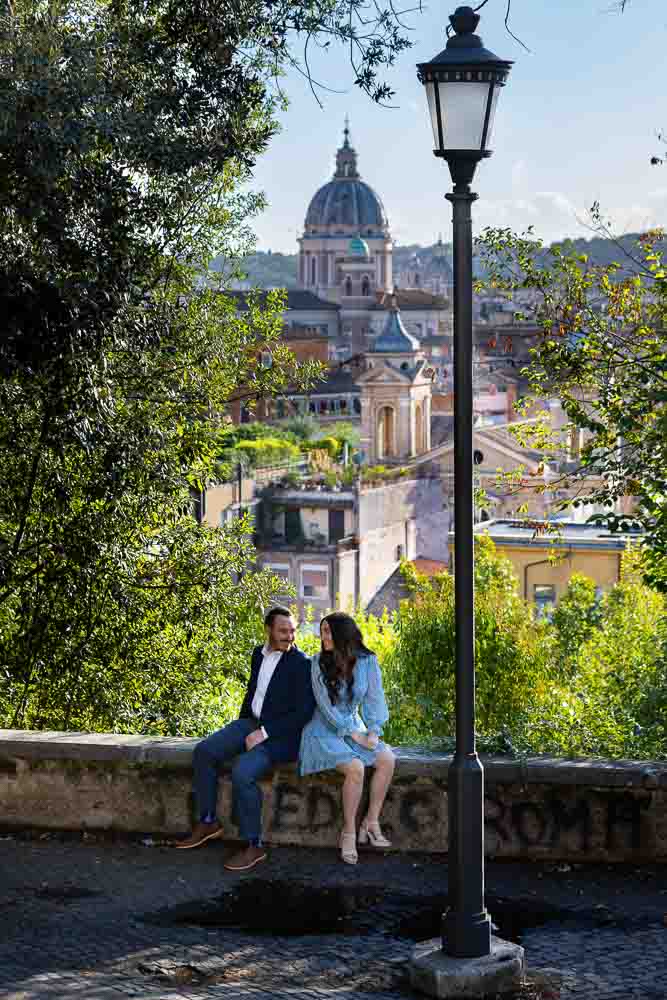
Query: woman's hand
{"points": [[367, 740]]}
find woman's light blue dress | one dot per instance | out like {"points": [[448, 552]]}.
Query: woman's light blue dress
{"points": [[326, 739]]}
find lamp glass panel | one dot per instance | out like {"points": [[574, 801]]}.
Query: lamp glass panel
{"points": [[463, 107], [433, 112], [492, 115]]}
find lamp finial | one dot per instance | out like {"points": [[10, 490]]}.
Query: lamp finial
{"points": [[464, 21]]}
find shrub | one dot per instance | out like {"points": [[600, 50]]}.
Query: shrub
{"points": [[343, 432], [510, 650], [300, 428], [331, 445], [268, 451]]}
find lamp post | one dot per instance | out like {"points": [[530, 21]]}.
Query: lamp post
{"points": [[462, 87]]}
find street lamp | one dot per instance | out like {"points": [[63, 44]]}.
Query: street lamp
{"points": [[462, 86]]}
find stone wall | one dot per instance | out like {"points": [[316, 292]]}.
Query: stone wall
{"points": [[541, 807], [387, 532]]}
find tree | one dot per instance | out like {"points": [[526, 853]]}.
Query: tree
{"points": [[512, 650], [126, 131], [603, 352]]}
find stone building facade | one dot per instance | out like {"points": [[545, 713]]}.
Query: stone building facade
{"points": [[396, 392]]}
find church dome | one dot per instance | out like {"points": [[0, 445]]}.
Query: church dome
{"points": [[346, 200]]}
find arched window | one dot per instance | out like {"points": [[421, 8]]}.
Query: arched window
{"points": [[417, 280], [348, 285], [386, 446], [365, 285], [313, 271]]}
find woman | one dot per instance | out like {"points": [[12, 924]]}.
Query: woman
{"points": [[346, 676]]}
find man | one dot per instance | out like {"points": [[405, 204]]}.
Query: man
{"points": [[277, 705]]}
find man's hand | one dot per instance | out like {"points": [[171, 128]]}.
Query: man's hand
{"points": [[254, 738]]}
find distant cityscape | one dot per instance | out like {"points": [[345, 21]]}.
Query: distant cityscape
{"points": [[268, 269], [378, 318]]}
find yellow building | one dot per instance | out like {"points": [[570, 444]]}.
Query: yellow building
{"points": [[544, 562]]}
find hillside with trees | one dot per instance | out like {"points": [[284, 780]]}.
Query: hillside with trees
{"points": [[266, 269]]}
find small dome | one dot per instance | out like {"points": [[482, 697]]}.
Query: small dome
{"points": [[395, 339], [358, 247]]}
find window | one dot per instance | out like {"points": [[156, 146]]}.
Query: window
{"points": [[348, 286], [385, 432], [312, 271], [336, 525], [315, 582], [365, 286], [544, 596], [279, 569]]}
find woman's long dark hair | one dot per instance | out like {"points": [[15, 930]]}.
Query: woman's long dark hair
{"points": [[339, 662]]}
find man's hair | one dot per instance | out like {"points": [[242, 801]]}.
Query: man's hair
{"points": [[271, 615]]}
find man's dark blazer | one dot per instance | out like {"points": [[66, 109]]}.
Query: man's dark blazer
{"points": [[288, 705]]}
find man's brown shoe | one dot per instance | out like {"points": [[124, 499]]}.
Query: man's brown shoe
{"points": [[200, 834], [247, 858]]}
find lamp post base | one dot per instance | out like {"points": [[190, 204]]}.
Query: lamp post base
{"points": [[437, 974]]}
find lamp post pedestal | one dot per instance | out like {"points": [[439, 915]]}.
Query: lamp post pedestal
{"points": [[434, 972]]}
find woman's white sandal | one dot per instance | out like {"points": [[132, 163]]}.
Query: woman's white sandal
{"points": [[348, 848], [371, 833]]}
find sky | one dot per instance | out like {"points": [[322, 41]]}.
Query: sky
{"points": [[576, 123]]}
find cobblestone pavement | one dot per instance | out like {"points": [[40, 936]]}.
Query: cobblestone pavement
{"points": [[85, 920]]}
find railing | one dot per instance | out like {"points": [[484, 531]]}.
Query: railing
{"points": [[270, 473]]}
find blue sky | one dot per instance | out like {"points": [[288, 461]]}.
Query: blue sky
{"points": [[577, 123]]}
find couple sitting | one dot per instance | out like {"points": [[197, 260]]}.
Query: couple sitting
{"points": [[298, 708]]}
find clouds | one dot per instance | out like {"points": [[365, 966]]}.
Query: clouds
{"points": [[554, 216], [551, 214]]}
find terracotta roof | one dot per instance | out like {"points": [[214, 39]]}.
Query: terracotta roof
{"points": [[337, 380], [394, 590], [429, 567], [307, 333]]}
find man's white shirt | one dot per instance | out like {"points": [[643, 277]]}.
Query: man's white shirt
{"points": [[266, 671]]}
